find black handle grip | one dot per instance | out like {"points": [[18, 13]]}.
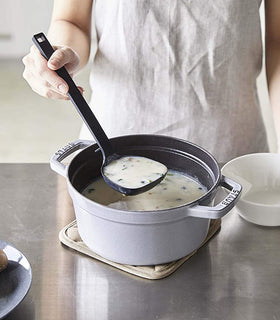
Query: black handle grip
{"points": [[76, 97]]}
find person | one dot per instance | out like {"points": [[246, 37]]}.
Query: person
{"points": [[186, 69]]}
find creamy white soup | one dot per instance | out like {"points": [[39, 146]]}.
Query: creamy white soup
{"points": [[134, 172], [175, 190]]}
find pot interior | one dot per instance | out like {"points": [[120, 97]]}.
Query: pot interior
{"points": [[176, 154]]}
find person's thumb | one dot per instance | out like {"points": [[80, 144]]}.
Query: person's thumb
{"points": [[63, 56]]}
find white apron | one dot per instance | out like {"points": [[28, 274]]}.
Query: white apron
{"points": [[183, 68]]}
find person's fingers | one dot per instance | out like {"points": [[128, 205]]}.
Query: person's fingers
{"points": [[42, 87], [81, 89], [44, 80], [34, 50], [45, 89], [39, 67]]}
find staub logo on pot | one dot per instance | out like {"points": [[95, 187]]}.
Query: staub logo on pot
{"points": [[231, 197], [61, 151]]}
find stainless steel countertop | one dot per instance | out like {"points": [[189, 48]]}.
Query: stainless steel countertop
{"points": [[235, 276]]}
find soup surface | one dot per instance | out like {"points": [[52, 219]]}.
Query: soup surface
{"points": [[175, 190], [134, 172]]}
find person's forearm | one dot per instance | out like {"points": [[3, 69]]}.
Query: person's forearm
{"points": [[273, 81], [71, 26]]}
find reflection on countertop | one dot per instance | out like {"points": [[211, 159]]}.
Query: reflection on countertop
{"points": [[235, 276]]}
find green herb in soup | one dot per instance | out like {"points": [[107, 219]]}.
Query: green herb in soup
{"points": [[134, 172], [175, 190]]}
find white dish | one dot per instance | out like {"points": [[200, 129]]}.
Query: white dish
{"points": [[15, 281], [259, 175]]}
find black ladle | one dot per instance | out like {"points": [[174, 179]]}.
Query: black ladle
{"points": [[108, 153]]}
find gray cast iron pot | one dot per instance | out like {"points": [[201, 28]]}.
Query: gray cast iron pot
{"points": [[150, 237]]}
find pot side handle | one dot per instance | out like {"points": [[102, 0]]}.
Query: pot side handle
{"points": [[221, 208], [62, 153]]}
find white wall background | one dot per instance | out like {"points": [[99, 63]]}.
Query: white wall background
{"points": [[19, 20]]}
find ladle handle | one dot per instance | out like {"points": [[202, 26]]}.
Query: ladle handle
{"points": [[77, 99]]}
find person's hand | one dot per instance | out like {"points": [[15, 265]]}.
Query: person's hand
{"points": [[40, 74]]}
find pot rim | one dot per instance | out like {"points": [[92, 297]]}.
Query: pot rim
{"points": [[189, 204]]}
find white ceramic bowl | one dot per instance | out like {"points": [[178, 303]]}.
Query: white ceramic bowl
{"points": [[259, 175]]}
